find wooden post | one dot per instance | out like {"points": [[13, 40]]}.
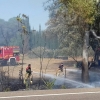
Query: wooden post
{"points": [[65, 72]]}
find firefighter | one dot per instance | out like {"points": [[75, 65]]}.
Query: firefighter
{"points": [[60, 69], [28, 74], [28, 70]]}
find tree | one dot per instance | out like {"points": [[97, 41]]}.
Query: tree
{"points": [[85, 12], [24, 34], [77, 15]]}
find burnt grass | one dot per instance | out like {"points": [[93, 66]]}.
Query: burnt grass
{"points": [[17, 85]]}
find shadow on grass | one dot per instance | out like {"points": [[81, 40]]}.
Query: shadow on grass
{"points": [[5, 65]]}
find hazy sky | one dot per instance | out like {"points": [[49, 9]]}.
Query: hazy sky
{"points": [[33, 8]]}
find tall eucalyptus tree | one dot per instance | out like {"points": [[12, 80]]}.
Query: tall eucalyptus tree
{"points": [[79, 17]]}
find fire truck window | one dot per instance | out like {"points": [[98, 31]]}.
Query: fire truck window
{"points": [[16, 54]]}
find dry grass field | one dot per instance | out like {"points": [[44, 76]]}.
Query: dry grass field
{"points": [[49, 65]]}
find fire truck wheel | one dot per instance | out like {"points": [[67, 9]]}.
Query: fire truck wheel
{"points": [[4, 63], [12, 62]]}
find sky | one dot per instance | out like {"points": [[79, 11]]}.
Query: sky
{"points": [[32, 8]]}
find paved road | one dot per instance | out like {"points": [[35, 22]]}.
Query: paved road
{"points": [[59, 94]]}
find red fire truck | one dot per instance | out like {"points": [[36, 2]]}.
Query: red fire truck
{"points": [[9, 54]]}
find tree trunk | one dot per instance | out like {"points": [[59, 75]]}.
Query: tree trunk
{"points": [[85, 72]]}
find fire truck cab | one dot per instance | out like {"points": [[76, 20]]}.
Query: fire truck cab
{"points": [[9, 55]]}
